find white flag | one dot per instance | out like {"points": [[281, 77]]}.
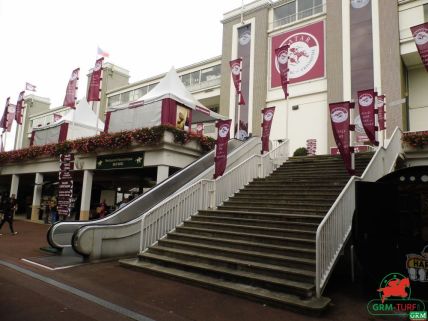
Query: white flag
{"points": [[30, 87]]}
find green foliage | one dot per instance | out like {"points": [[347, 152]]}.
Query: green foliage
{"points": [[301, 151]]}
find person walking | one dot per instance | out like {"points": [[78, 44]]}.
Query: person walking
{"points": [[54, 210], [9, 207]]}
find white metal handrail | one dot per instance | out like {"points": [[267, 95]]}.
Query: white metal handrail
{"points": [[335, 228], [205, 194]]}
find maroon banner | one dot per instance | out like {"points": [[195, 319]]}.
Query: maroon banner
{"points": [[3, 121], [19, 107], [199, 129], [94, 83], [340, 121], [381, 111], [71, 91], [223, 134], [420, 34], [266, 126], [366, 105], [10, 116], [282, 63], [311, 146], [235, 67]]}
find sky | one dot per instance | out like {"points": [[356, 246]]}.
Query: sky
{"points": [[43, 41]]}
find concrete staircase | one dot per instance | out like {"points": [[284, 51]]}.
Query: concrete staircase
{"points": [[260, 244]]}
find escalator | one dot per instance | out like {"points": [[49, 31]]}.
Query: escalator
{"points": [[120, 231]]}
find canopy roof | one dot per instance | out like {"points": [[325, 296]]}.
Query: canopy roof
{"points": [[172, 87], [83, 115]]}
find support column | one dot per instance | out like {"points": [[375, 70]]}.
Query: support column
{"points": [[86, 195], [37, 197], [163, 173], [14, 185]]}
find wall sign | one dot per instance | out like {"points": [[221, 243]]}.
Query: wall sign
{"points": [[121, 161]]}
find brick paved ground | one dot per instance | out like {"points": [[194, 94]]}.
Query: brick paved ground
{"points": [[25, 298]]}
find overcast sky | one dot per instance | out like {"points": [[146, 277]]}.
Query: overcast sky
{"points": [[42, 41]]}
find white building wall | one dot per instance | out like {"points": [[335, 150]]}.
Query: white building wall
{"points": [[418, 103]]}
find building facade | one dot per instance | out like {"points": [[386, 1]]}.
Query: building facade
{"points": [[336, 49]]}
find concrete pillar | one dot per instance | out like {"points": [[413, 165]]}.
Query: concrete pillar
{"points": [[163, 172], [86, 195], [37, 197], [14, 185]]}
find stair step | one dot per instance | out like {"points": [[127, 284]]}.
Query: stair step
{"points": [[245, 245], [278, 194], [280, 299], [279, 203], [260, 257], [283, 209], [218, 263], [289, 217], [286, 198], [255, 222], [265, 239], [251, 229]]}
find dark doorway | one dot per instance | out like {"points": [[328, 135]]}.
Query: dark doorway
{"points": [[390, 223]]}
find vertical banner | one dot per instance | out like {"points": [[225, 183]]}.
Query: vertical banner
{"points": [[381, 111], [223, 134], [244, 51], [282, 61], [19, 107], [236, 68], [3, 121], [366, 106], [340, 122], [10, 116], [94, 82], [200, 129], [362, 70], [266, 126], [420, 34], [311, 146], [71, 91], [65, 187]]}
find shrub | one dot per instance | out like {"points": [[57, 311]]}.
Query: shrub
{"points": [[301, 151]]}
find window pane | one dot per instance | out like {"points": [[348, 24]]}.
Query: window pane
{"points": [[210, 73], [140, 92], [150, 87], [186, 79], [308, 8], [114, 100], [194, 77], [284, 14], [124, 97]]}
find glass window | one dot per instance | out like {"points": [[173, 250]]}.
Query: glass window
{"points": [[284, 14], [150, 87], [140, 92], [114, 100], [307, 8], [194, 77], [124, 97], [186, 80], [210, 73]]}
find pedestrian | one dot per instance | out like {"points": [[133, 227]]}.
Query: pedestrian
{"points": [[102, 209], [9, 207], [123, 202], [54, 210]]}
